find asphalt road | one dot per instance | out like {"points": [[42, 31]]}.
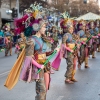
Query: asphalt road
{"points": [[87, 87]]}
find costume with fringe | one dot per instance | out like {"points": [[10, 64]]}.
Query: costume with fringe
{"points": [[33, 55], [83, 53]]}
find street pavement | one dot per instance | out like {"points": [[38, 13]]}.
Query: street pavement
{"points": [[87, 87], [7, 62]]}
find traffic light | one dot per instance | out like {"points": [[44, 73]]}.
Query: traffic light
{"points": [[14, 13]]}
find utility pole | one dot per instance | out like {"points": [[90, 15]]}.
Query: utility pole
{"points": [[17, 6], [10, 4]]}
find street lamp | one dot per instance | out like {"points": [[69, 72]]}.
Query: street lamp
{"points": [[9, 11]]}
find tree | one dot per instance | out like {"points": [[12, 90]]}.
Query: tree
{"points": [[24, 4], [61, 5], [77, 7]]}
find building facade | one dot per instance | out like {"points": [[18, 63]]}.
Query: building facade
{"points": [[5, 10]]}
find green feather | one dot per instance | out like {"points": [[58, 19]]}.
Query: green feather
{"points": [[28, 31]]}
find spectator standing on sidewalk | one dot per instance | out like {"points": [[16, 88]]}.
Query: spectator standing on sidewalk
{"points": [[8, 45], [8, 40]]}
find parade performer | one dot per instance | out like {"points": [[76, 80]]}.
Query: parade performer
{"points": [[76, 40], [7, 40], [67, 41], [21, 43], [93, 43], [83, 53], [55, 37], [8, 45], [97, 28], [35, 55]]}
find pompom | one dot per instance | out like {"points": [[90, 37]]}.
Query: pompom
{"points": [[35, 26]]}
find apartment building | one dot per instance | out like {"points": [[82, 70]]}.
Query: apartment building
{"points": [[5, 7]]}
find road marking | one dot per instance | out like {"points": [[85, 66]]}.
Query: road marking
{"points": [[3, 74], [60, 97]]}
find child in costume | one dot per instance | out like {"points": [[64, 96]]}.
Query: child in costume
{"points": [[21, 42], [35, 54], [38, 25], [93, 42], [69, 43], [83, 53], [97, 28], [7, 40], [8, 45]]}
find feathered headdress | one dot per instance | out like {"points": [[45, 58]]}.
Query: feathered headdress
{"points": [[66, 22], [65, 15], [6, 26], [81, 23], [20, 24], [32, 21], [36, 10]]}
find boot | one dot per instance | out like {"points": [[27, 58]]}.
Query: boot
{"points": [[11, 52], [73, 74], [86, 62], [93, 54]]}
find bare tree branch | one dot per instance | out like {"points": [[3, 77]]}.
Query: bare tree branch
{"points": [[76, 8], [24, 4]]}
